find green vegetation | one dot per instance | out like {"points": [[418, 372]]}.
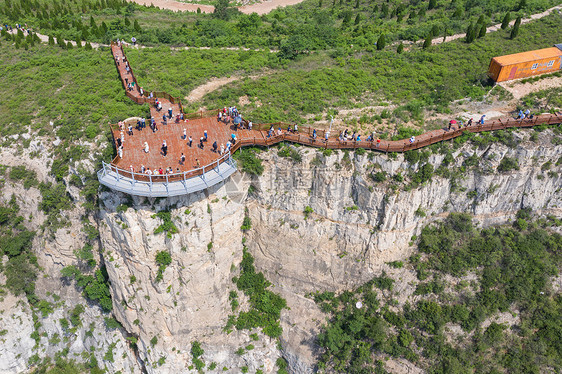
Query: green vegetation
{"points": [[90, 94], [15, 242], [163, 259], [95, 287], [307, 211], [249, 161], [309, 26], [196, 353], [514, 269], [265, 305], [167, 225], [28, 177]]}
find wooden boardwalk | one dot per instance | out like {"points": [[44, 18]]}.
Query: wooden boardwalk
{"points": [[201, 162]]}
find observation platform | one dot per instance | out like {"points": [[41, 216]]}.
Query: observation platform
{"points": [[203, 167]]}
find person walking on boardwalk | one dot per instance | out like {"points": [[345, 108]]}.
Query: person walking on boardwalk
{"points": [[184, 134], [164, 119], [205, 135], [164, 148], [314, 135], [201, 143], [222, 149], [170, 112], [130, 129], [190, 142], [378, 142], [215, 146], [469, 123], [527, 113], [481, 122], [146, 148], [182, 159], [197, 163]]}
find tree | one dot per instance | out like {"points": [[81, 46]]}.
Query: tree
{"points": [[506, 20], [292, 47], [221, 10], [482, 31], [357, 19], [470, 33], [51, 40], [88, 46], [427, 42], [400, 48], [381, 43], [432, 4], [357, 4], [515, 29], [522, 4], [434, 30]]}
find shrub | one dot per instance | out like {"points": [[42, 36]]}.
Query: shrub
{"points": [[307, 211], [163, 259], [508, 164], [246, 224], [167, 225]]}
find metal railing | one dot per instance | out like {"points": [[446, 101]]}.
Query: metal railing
{"points": [[169, 177]]}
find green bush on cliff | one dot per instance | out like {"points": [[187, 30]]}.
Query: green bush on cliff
{"points": [[265, 305]]}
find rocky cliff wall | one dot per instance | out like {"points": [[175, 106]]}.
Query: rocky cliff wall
{"points": [[353, 227]]}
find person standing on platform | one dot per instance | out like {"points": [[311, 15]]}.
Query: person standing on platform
{"points": [[190, 142]]}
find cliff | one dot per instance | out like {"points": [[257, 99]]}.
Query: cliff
{"points": [[320, 224]]}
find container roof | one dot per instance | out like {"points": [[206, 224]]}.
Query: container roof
{"points": [[528, 56]]}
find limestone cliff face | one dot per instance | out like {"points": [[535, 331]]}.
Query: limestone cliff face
{"points": [[353, 227], [191, 302], [357, 224]]}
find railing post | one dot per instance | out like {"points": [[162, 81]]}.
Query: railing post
{"points": [[166, 179], [150, 178]]}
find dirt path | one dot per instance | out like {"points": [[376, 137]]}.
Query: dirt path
{"points": [[259, 8], [215, 83], [520, 90]]}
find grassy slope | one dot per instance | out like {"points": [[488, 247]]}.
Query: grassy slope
{"points": [[433, 77], [48, 84]]}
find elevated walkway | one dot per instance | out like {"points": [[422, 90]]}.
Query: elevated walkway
{"points": [[189, 177]]}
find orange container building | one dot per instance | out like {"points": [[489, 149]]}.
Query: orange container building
{"points": [[525, 64]]}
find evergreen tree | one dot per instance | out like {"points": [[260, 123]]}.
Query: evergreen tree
{"points": [[470, 33], [320, 4], [127, 22], [51, 40], [137, 27], [427, 41], [69, 45], [434, 30], [381, 43], [92, 22], [357, 19], [78, 43], [522, 4], [482, 31], [357, 4], [432, 4], [400, 48], [515, 29], [384, 10], [346, 19], [506, 20], [88, 46]]}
